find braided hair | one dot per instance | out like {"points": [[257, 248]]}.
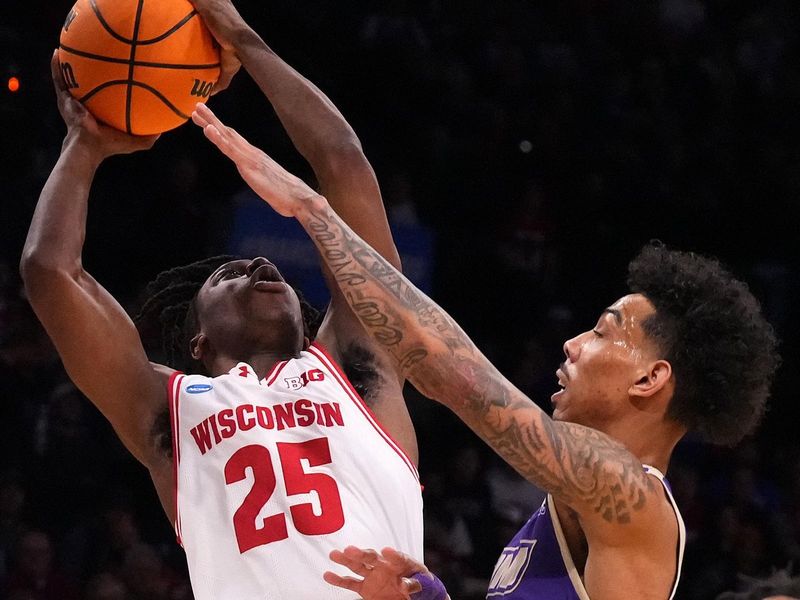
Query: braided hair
{"points": [[167, 320]]}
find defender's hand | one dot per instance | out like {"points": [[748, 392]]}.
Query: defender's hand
{"points": [[101, 139], [283, 191], [384, 576]]}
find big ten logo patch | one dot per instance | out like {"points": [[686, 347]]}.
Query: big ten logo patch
{"points": [[297, 383], [510, 568]]}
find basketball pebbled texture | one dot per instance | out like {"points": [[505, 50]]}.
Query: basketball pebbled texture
{"points": [[138, 65]]}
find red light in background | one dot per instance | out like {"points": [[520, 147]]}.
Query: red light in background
{"points": [[13, 84]]}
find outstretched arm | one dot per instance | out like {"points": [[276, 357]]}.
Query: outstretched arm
{"points": [[581, 467], [95, 338]]}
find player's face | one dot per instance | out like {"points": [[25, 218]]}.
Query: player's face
{"points": [[603, 364], [246, 306]]}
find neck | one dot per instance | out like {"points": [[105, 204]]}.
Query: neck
{"points": [[651, 442], [261, 362]]}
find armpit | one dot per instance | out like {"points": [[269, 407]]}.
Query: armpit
{"points": [[161, 434], [360, 366]]}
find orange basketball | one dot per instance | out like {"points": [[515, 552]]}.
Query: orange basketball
{"points": [[138, 65]]}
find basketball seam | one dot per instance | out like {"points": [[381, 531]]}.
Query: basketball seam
{"points": [[105, 24], [137, 63], [168, 33], [115, 35], [86, 97], [129, 97]]}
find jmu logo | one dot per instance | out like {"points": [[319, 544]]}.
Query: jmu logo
{"points": [[297, 383], [70, 18], [510, 568], [202, 89]]}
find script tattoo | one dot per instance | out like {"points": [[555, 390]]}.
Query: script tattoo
{"points": [[578, 465]]}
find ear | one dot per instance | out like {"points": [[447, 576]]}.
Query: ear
{"points": [[198, 346], [653, 380], [306, 343]]}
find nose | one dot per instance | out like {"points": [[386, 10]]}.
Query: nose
{"points": [[572, 348], [254, 264]]}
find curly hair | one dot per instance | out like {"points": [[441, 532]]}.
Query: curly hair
{"points": [[722, 350], [167, 320]]}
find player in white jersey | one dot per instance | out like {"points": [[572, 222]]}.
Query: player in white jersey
{"points": [[302, 457], [270, 474]]}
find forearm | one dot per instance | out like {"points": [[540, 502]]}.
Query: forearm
{"points": [[58, 228], [316, 127]]}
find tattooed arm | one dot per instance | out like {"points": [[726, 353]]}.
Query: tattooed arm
{"points": [[581, 467]]}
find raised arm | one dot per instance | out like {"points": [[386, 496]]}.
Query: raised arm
{"points": [[96, 340], [581, 467], [316, 127], [326, 140]]}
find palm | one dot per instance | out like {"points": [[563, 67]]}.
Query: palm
{"points": [[384, 576], [384, 584], [110, 141]]}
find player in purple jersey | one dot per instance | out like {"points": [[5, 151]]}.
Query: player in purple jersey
{"points": [[687, 350]]}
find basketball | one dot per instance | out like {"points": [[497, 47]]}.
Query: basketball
{"points": [[138, 65]]}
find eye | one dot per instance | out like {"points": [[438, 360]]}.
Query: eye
{"points": [[597, 333], [229, 272]]}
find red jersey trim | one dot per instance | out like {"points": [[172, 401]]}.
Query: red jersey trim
{"points": [[319, 351], [276, 370], [174, 392]]}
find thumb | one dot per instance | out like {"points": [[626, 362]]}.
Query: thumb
{"points": [[230, 65]]}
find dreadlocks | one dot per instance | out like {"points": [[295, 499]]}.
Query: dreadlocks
{"points": [[167, 320]]}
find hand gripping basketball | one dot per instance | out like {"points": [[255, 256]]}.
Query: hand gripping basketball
{"points": [[225, 24], [107, 141]]}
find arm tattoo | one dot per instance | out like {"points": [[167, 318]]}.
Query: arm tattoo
{"points": [[580, 466]]}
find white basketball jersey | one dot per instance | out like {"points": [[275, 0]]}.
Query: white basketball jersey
{"points": [[273, 474]]}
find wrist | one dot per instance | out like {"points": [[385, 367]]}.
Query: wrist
{"points": [[82, 146], [431, 587], [311, 205]]}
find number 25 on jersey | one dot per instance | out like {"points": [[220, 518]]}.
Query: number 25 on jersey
{"points": [[296, 480]]}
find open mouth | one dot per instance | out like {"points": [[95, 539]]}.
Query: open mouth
{"points": [[562, 379], [266, 278]]}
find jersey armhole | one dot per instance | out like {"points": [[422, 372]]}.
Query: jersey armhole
{"points": [[653, 472], [174, 392]]}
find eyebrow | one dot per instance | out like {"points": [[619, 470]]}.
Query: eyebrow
{"points": [[617, 314]]}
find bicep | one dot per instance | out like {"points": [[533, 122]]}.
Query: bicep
{"points": [[102, 354]]}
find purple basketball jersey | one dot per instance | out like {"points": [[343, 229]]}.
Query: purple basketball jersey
{"points": [[536, 564], [532, 567]]}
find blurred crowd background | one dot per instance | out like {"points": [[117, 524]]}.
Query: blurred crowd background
{"points": [[526, 151]]}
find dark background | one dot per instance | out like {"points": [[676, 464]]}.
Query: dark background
{"points": [[540, 145]]}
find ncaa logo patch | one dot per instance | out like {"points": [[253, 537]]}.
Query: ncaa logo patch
{"points": [[199, 388]]}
